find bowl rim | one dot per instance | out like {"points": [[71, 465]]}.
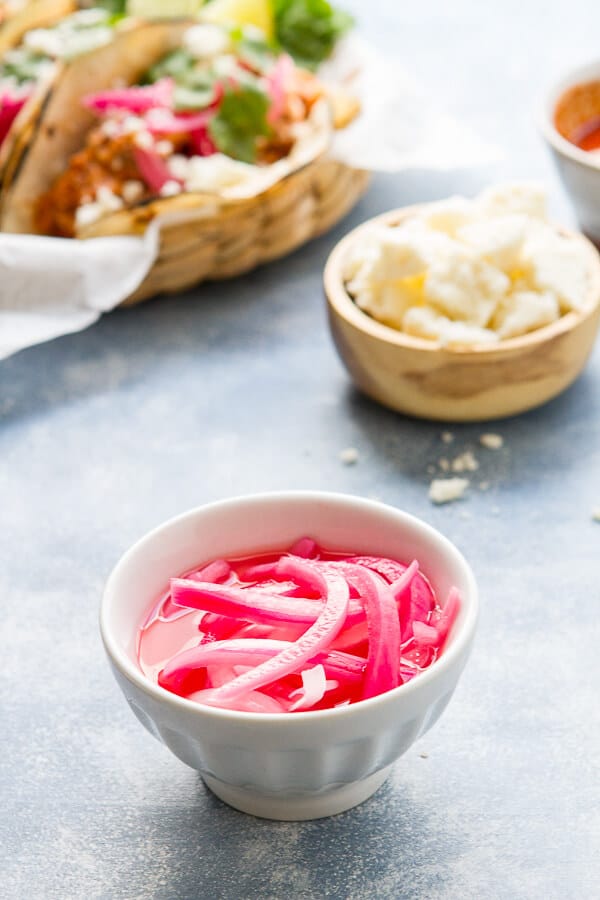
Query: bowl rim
{"points": [[585, 73], [342, 303], [459, 644]]}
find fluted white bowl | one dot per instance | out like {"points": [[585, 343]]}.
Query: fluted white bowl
{"points": [[301, 765]]}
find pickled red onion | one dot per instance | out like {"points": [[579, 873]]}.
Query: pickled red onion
{"points": [[313, 641], [133, 99], [270, 622]]}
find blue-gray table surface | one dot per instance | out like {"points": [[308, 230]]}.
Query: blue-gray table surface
{"points": [[235, 388]]}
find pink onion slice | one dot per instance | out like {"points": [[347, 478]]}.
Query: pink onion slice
{"points": [[165, 610], [277, 82], [133, 99], [249, 604], [383, 630], [343, 667], [426, 634], [164, 121], [390, 569], [152, 168], [446, 617], [253, 701], [316, 639], [9, 109]]}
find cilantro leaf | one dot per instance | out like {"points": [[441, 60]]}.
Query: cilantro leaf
{"points": [[116, 7], [309, 29], [240, 120]]}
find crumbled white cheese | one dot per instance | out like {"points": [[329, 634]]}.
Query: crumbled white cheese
{"points": [[558, 264], [447, 437], [170, 188], [523, 197], [349, 456], [448, 215], [111, 128], [422, 321], [205, 41], [226, 66], [108, 200], [445, 490], [132, 190], [87, 214], [498, 241], [44, 40], [444, 464], [524, 311], [72, 37], [144, 140], [178, 166], [466, 272], [164, 147], [132, 124], [465, 462], [491, 441], [465, 287]]}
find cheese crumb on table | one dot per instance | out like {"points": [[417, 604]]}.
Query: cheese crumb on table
{"points": [[446, 490], [447, 437], [466, 462], [349, 456], [491, 441]]}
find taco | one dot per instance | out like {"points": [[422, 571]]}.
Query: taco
{"points": [[30, 64], [163, 119]]}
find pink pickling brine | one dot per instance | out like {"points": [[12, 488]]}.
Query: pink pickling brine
{"points": [[305, 629]]}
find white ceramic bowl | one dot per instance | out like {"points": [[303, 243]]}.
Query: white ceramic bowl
{"points": [[579, 170], [301, 765]]}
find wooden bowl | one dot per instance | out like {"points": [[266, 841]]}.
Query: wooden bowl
{"points": [[425, 379]]}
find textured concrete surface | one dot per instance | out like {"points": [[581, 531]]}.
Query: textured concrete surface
{"points": [[236, 388]]}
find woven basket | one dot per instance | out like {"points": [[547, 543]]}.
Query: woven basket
{"points": [[224, 238]]}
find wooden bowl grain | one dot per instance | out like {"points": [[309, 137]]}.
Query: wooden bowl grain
{"points": [[423, 378]]}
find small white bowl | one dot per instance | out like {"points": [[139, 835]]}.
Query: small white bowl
{"points": [[301, 765], [579, 169]]}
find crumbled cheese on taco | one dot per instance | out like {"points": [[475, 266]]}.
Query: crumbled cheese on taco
{"points": [[205, 41]]}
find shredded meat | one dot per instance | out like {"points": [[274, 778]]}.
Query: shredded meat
{"points": [[302, 95], [104, 161]]}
